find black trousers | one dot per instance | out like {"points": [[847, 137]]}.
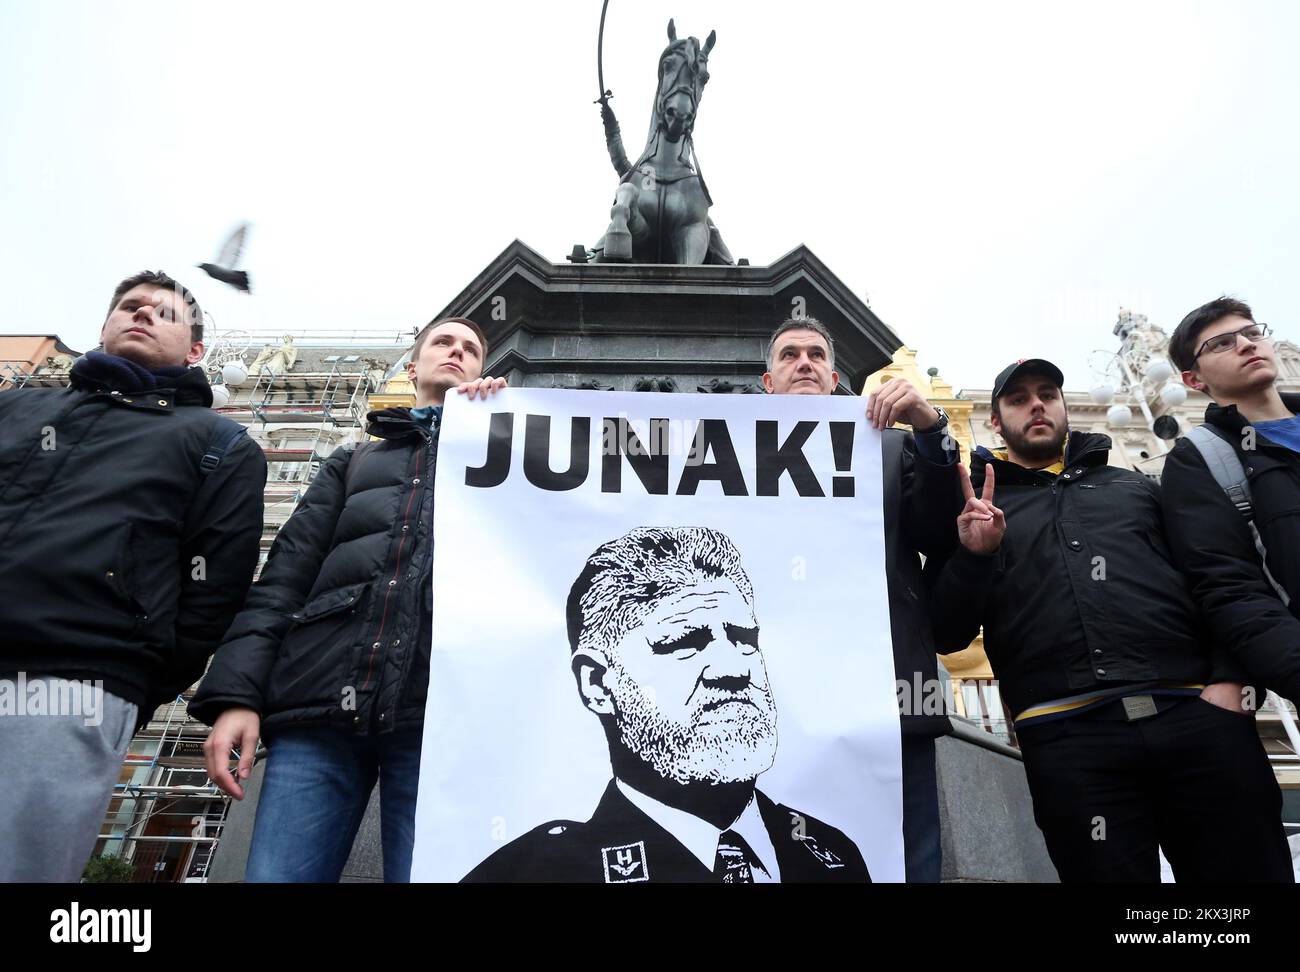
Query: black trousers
{"points": [[1192, 780], [921, 848]]}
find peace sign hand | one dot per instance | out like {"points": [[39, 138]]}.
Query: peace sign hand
{"points": [[981, 525]]}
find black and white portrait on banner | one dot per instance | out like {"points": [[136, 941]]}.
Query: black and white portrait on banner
{"points": [[661, 646]]}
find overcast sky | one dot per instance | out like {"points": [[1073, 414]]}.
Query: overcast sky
{"points": [[997, 179]]}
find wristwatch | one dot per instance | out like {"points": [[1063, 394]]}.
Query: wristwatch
{"points": [[938, 426]]}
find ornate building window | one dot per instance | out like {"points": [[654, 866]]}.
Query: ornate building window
{"points": [[1288, 361]]}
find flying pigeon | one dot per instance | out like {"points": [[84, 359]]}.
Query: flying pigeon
{"points": [[224, 269]]}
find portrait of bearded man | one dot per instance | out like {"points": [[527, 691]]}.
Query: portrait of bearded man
{"points": [[664, 650]]}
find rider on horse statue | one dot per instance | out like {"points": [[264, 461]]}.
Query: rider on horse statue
{"points": [[661, 208]]}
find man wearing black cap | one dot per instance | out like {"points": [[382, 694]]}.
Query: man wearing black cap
{"points": [[1096, 644]]}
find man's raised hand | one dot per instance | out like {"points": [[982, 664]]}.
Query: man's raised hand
{"points": [[898, 400], [980, 525]]}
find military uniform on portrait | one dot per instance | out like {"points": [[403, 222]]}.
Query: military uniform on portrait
{"points": [[622, 845]]}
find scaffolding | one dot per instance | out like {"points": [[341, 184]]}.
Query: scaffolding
{"points": [[166, 816], [301, 414], [28, 374]]}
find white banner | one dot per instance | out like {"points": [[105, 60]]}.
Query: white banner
{"points": [[661, 643]]}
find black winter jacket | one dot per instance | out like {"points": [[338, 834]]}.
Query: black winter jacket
{"points": [[337, 629], [103, 512], [921, 502], [1082, 594], [1213, 545]]}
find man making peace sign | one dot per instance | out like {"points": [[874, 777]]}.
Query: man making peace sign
{"points": [[1100, 655]]}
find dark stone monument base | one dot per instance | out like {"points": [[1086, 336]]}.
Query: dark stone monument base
{"points": [[985, 812], [660, 327]]}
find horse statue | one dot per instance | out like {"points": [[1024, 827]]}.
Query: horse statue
{"points": [[661, 208]]}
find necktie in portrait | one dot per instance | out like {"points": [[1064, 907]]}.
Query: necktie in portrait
{"points": [[735, 861]]}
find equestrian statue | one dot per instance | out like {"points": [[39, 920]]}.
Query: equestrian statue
{"points": [[661, 209]]}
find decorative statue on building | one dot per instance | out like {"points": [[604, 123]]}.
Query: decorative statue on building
{"points": [[1141, 340], [58, 364], [276, 361], [661, 208]]}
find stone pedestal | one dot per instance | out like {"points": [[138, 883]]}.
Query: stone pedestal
{"points": [[651, 327], [985, 813]]}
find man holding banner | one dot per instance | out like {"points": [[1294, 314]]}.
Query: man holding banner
{"points": [[685, 519], [922, 495], [328, 660]]}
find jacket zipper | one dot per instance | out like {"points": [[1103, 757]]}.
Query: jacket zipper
{"points": [[397, 569], [410, 651]]}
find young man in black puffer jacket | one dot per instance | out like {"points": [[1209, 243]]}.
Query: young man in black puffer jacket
{"points": [[329, 659], [1101, 658], [130, 515]]}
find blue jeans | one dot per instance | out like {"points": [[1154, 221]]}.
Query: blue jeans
{"points": [[314, 794]]}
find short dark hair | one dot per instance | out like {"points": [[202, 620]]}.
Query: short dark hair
{"points": [[1182, 345], [801, 324], [159, 279], [625, 578], [428, 329]]}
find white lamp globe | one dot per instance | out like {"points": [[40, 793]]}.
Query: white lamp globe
{"points": [[234, 373], [1173, 394], [1102, 394], [220, 396], [1119, 416], [1158, 369]]}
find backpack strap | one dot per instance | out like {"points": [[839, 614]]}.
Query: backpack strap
{"points": [[1224, 465], [227, 433]]}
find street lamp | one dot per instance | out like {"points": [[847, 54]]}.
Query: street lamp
{"points": [[234, 373], [1173, 394], [1102, 394], [1126, 375], [1158, 369], [1119, 416]]}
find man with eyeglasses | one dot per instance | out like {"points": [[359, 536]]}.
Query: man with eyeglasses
{"points": [[1234, 526]]}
